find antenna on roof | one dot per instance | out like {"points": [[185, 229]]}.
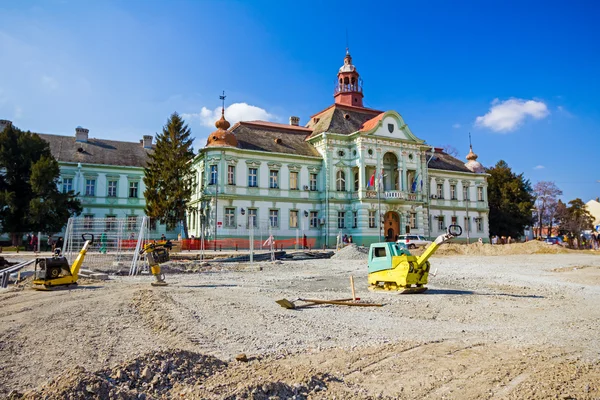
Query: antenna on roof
{"points": [[347, 45], [222, 98], [470, 145]]}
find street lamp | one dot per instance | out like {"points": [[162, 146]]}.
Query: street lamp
{"points": [[429, 194]]}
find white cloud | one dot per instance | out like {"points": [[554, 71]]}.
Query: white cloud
{"points": [[456, 126], [506, 116], [539, 167], [234, 113]]}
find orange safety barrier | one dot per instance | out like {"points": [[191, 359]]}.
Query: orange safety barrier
{"points": [[243, 244]]}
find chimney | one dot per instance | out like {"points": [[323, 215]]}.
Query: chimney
{"points": [[294, 121], [4, 123], [147, 141], [81, 134]]}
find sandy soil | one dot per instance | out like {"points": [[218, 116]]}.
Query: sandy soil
{"points": [[515, 326]]}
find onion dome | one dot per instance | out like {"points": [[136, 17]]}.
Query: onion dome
{"points": [[472, 163], [222, 137]]}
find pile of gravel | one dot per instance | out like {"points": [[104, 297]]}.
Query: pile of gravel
{"points": [[150, 376], [352, 252]]}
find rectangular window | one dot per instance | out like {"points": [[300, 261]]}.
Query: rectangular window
{"points": [[112, 188], [133, 189], [453, 192], [131, 222], [293, 181], [413, 220], [231, 175], [229, 217], [354, 219], [465, 193], [213, 175], [111, 223], [479, 222], [252, 219], [252, 177], [441, 225], [67, 185], [454, 220], [440, 191], [90, 187], [480, 194], [314, 219], [274, 218], [293, 218], [88, 221], [341, 219], [152, 224], [313, 182], [371, 219], [273, 179], [467, 225]]}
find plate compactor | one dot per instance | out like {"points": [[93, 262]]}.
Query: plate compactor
{"points": [[393, 268], [156, 254], [55, 271]]}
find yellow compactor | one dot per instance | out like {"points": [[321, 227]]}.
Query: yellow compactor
{"points": [[393, 268], [55, 271], [156, 254]]}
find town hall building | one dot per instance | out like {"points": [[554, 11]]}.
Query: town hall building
{"points": [[349, 170]]}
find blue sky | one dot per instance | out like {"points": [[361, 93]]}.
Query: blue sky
{"points": [[521, 76]]}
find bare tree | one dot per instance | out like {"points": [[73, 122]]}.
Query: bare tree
{"points": [[546, 194], [451, 150]]}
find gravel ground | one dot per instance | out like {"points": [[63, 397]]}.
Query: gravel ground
{"points": [[515, 326]]}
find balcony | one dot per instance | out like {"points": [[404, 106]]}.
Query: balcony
{"points": [[393, 195]]}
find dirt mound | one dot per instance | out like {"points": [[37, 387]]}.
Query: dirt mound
{"points": [[149, 376], [480, 249], [351, 252]]}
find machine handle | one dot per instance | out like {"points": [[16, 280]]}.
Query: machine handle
{"points": [[87, 235], [454, 230]]}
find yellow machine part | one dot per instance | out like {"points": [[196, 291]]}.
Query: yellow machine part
{"points": [[404, 275], [68, 279], [155, 269]]}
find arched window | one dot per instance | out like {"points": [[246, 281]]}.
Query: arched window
{"points": [[340, 181]]}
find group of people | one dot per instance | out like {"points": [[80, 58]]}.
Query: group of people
{"points": [[32, 242], [502, 239]]}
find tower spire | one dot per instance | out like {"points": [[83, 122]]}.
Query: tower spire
{"points": [[222, 98]]}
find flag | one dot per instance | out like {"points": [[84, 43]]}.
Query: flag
{"points": [[372, 180]]}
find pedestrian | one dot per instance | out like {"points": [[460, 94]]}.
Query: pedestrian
{"points": [[58, 246], [350, 239], [28, 242], [34, 242], [50, 243], [163, 237], [103, 243], [304, 242], [345, 239], [480, 240]]}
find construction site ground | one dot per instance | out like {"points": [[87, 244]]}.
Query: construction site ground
{"points": [[516, 326]]}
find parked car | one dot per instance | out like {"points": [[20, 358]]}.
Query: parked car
{"points": [[413, 241], [554, 240]]}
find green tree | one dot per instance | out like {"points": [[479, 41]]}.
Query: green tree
{"points": [[30, 200], [575, 218], [168, 175], [510, 199]]}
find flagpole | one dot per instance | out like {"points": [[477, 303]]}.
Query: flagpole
{"points": [[379, 206]]}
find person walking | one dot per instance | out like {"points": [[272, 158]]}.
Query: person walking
{"points": [[59, 244], [34, 242]]}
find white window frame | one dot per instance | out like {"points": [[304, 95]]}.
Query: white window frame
{"points": [[90, 187], [252, 216], [341, 219], [293, 180], [111, 223], [465, 193], [252, 177], [113, 186], [133, 189], [440, 190], [372, 219], [413, 221], [354, 219], [214, 174], [274, 217], [231, 174], [67, 185], [313, 182], [314, 219], [229, 217], [480, 193], [132, 223], [441, 222], [340, 181], [273, 179], [453, 192], [293, 219]]}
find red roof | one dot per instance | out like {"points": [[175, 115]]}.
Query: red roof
{"points": [[364, 109], [370, 124]]}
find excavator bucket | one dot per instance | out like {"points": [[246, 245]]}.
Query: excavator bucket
{"points": [[285, 303]]}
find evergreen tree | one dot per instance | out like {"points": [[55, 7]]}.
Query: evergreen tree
{"points": [[30, 200], [510, 200], [575, 218], [168, 175]]}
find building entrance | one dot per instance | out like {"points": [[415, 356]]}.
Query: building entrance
{"points": [[391, 226]]}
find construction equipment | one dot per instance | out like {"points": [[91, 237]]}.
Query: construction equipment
{"points": [[156, 254], [55, 271], [392, 267]]}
